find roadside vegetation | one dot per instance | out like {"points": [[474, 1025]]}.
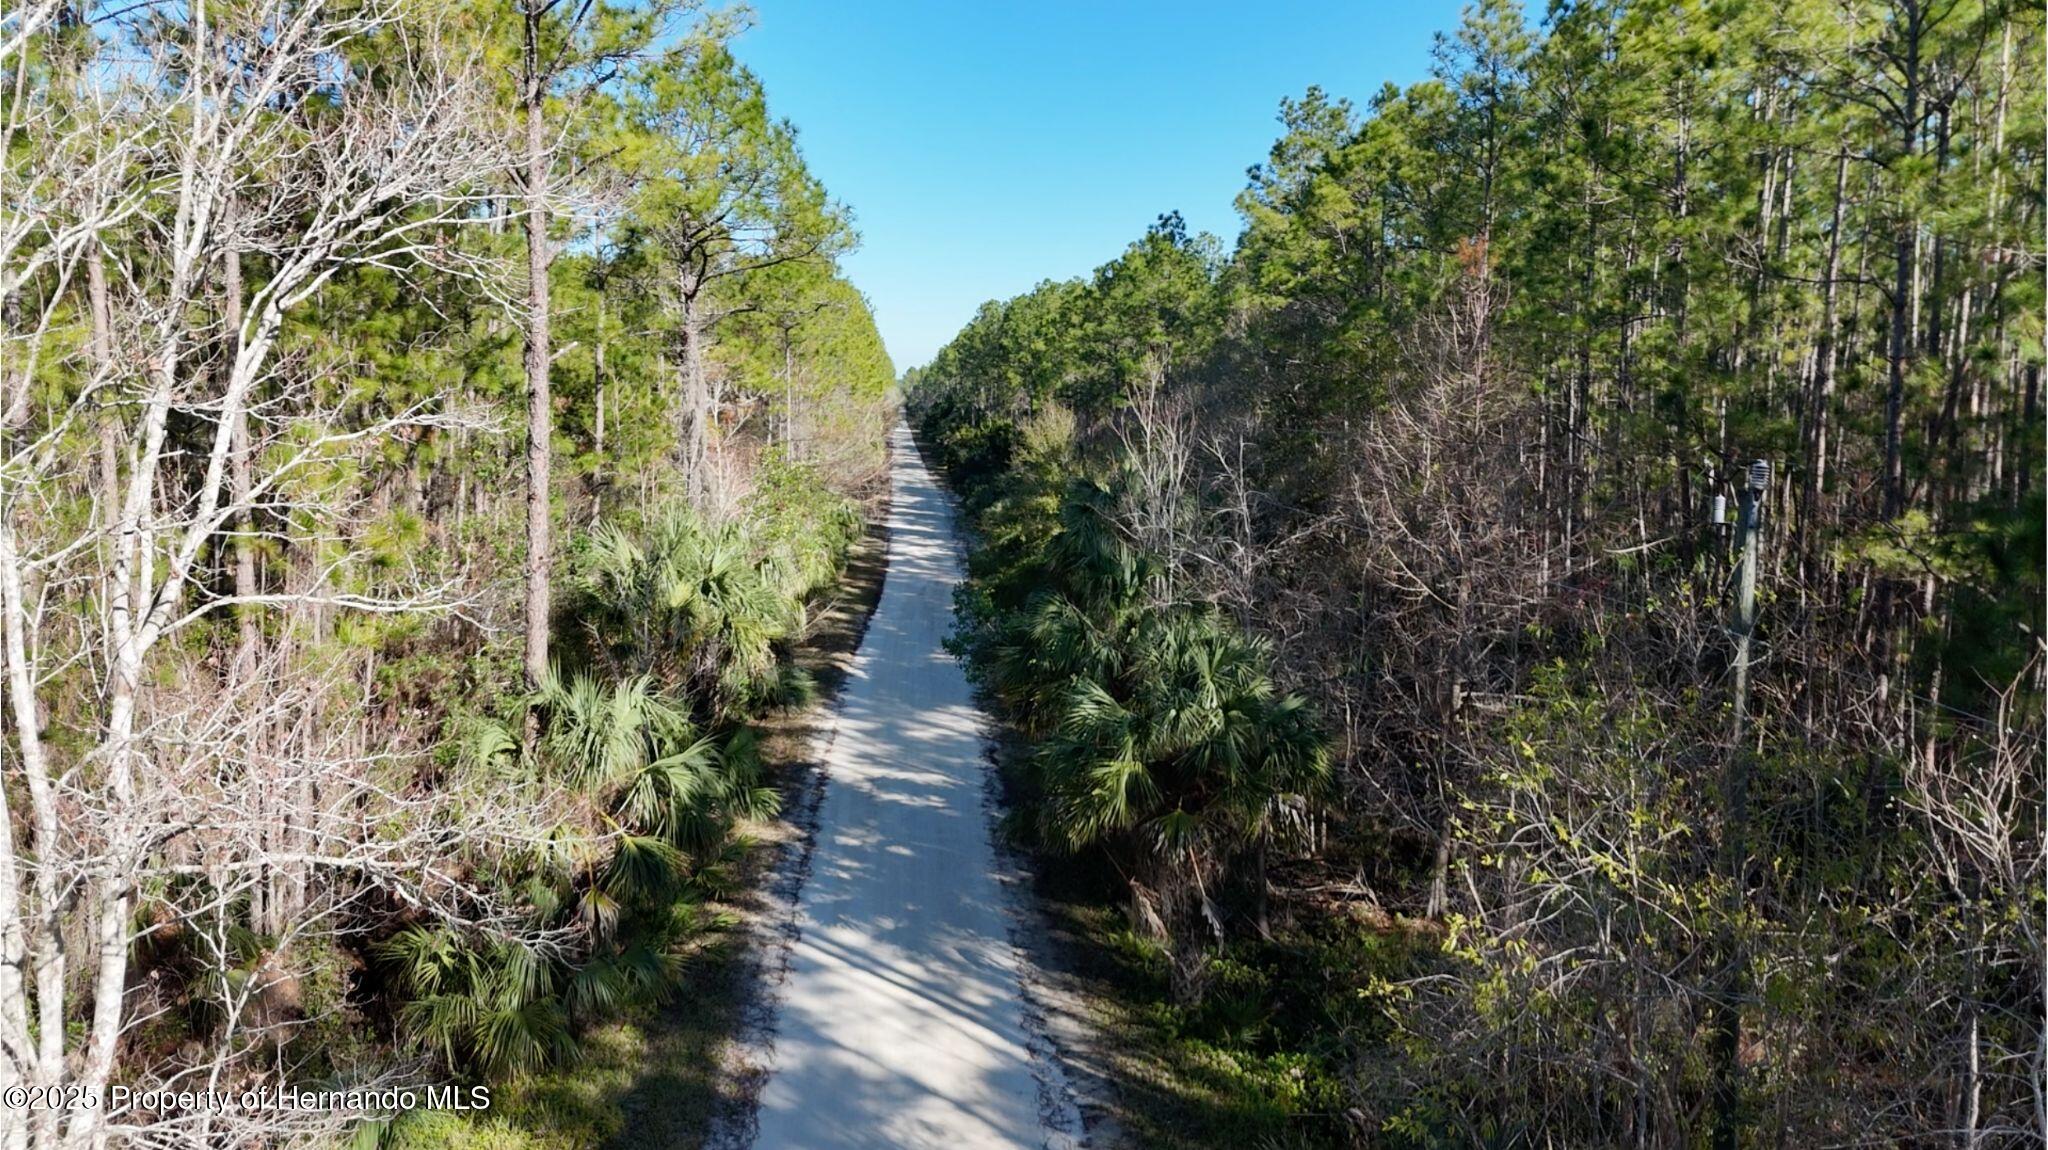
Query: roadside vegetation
{"points": [[1357, 597], [653, 1068]]}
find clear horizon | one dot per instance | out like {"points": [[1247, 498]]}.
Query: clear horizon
{"points": [[984, 148]]}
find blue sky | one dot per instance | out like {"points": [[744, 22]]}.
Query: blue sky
{"points": [[984, 146]]}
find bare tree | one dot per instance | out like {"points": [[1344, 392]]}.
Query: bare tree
{"points": [[341, 138], [1158, 439], [1438, 491]]}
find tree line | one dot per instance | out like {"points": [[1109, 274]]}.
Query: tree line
{"points": [[424, 430], [1365, 590]]}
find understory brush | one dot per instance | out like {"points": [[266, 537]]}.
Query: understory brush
{"points": [[678, 634]]}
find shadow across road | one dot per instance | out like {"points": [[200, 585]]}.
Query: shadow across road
{"points": [[901, 1021]]}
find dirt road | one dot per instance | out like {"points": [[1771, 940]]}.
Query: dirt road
{"points": [[901, 1021]]}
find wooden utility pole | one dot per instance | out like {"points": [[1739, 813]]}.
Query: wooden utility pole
{"points": [[1733, 984], [1743, 626]]}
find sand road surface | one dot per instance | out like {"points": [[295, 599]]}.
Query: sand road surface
{"points": [[901, 1022]]}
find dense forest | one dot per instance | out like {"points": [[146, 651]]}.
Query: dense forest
{"points": [[1540, 642], [424, 431]]}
